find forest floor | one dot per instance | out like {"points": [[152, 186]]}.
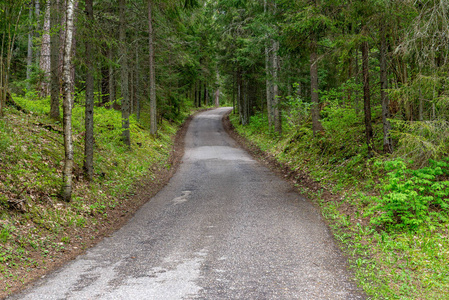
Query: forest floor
{"points": [[387, 265], [40, 233]]}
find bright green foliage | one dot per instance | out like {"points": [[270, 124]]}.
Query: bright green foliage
{"points": [[5, 234], [412, 198]]}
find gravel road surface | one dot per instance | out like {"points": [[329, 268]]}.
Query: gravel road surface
{"points": [[225, 227]]}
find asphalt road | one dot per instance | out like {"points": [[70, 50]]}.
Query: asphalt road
{"points": [[225, 227]]}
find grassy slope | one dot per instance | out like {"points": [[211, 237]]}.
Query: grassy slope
{"points": [[388, 264], [40, 229]]}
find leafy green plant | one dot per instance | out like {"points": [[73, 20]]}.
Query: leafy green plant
{"points": [[97, 208], [411, 198], [5, 233], [38, 105]]}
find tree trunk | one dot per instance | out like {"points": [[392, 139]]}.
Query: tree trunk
{"points": [[434, 115], [137, 79], [233, 92], [198, 93], [30, 48], [388, 146], [131, 89], [37, 11], [268, 87], [239, 95], [62, 34], [217, 92], [276, 109], [366, 97], [44, 63], [72, 71], [268, 83], [195, 104], [316, 124], [89, 111], [111, 77], [67, 105], [54, 62], [421, 109], [153, 104], [205, 94], [245, 119], [356, 79], [124, 76], [105, 96]]}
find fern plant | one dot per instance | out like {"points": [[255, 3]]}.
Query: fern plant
{"points": [[412, 198]]}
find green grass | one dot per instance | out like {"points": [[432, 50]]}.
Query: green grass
{"points": [[389, 262]]}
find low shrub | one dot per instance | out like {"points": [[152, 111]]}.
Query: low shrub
{"points": [[412, 198]]}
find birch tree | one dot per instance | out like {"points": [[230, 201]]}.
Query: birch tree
{"points": [[45, 61], [67, 104]]}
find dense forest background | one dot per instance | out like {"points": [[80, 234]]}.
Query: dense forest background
{"points": [[353, 92], [382, 63]]}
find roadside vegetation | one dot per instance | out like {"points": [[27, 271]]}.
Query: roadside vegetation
{"points": [[37, 229], [389, 213]]}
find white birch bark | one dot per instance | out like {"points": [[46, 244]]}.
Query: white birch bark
{"points": [[67, 104]]}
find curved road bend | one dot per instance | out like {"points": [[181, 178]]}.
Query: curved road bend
{"points": [[225, 227]]}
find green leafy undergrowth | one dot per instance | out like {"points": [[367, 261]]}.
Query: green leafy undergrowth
{"points": [[35, 225], [390, 217], [393, 264], [411, 199]]}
